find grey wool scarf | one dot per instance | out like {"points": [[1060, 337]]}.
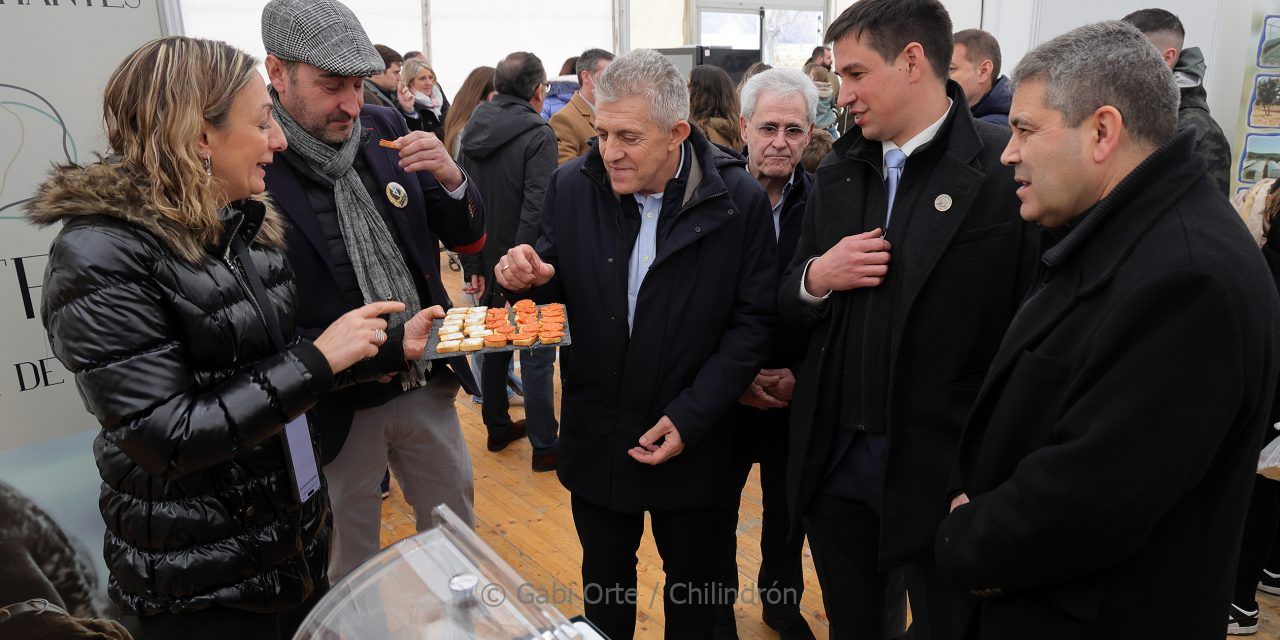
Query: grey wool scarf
{"points": [[380, 269]]}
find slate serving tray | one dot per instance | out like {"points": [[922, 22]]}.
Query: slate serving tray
{"points": [[434, 339]]}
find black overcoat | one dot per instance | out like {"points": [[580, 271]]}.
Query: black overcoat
{"points": [[1111, 453], [961, 260]]}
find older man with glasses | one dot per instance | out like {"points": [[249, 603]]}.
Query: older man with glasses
{"points": [[778, 109]]}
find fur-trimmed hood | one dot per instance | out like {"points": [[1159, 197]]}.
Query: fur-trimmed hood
{"points": [[106, 188]]}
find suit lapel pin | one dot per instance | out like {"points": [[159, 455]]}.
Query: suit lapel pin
{"points": [[397, 195], [942, 203]]}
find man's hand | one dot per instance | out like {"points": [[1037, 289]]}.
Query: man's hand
{"points": [[417, 329], [959, 501], [423, 151], [757, 398], [476, 288], [779, 383], [650, 453], [521, 269], [772, 389], [854, 262]]}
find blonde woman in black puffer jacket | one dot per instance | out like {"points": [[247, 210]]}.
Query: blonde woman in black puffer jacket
{"points": [[149, 299]]}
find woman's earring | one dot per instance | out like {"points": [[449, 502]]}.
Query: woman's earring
{"points": [[208, 165]]}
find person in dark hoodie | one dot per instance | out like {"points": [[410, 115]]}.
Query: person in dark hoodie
{"points": [[511, 152], [1165, 31], [975, 66]]}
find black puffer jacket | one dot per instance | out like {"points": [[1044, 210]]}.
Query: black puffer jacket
{"points": [[172, 358]]}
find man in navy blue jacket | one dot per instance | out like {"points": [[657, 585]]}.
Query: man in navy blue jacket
{"points": [[662, 248], [975, 66], [365, 223]]}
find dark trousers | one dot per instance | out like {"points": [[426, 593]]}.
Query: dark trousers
{"points": [[691, 544], [539, 410], [1258, 548], [762, 437], [862, 601], [843, 526], [225, 623], [939, 610]]}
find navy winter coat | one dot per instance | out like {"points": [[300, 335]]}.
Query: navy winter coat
{"points": [[703, 327]]}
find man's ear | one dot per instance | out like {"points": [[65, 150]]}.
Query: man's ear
{"points": [[984, 72], [913, 56], [679, 133], [276, 73], [1106, 127]]}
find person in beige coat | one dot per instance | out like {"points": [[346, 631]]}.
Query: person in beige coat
{"points": [[575, 124]]}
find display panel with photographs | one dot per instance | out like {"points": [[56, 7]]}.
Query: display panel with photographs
{"points": [[1260, 158]]}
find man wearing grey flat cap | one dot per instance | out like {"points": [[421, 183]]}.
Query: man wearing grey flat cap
{"points": [[366, 222]]}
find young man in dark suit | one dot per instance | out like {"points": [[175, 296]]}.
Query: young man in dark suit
{"points": [[911, 262]]}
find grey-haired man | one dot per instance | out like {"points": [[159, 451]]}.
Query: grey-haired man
{"points": [[662, 247], [778, 111], [365, 224]]}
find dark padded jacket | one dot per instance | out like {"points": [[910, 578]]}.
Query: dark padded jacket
{"points": [[511, 152], [703, 326], [173, 359]]}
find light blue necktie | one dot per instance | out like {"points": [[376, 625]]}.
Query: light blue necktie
{"points": [[894, 160]]}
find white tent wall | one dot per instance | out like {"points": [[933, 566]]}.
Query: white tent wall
{"points": [[656, 24], [466, 35], [463, 35]]}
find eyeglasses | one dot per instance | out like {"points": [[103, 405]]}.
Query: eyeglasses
{"points": [[792, 133]]}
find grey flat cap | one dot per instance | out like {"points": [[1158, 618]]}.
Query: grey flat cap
{"points": [[322, 33]]}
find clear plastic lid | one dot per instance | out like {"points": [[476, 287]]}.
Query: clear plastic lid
{"points": [[441, 584]]}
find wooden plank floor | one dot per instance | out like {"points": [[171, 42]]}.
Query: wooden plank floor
{"points": [[525, 517]]}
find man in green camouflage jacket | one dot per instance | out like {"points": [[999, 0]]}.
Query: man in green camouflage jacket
{"points": [[1165, 31]]}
